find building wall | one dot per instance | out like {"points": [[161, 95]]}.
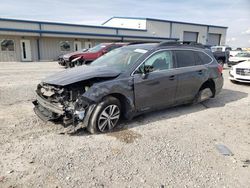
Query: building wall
{"points": [[16, 54], [221, 31], [178, 31], [10, 55], [18, 25], [158, 29], [49, 35], [50, 47], [164, 28], [127, 23], [79, 29]]}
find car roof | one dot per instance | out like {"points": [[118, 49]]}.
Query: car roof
{"points": [[162, 45]]}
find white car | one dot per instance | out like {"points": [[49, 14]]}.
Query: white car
{"points": [[238, 58], [234, 52], [240, 72]]}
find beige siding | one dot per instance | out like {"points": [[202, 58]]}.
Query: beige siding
{"points": [[50, 47], [84, 37], [64, 28], [154, 29], [19, 25], [18, 33], [12, 55], [158, 29]]}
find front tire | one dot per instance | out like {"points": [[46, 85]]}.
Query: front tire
{"points": [[105, 116]]}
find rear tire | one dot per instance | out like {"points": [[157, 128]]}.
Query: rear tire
{"points": [[105, 116], [204, 93]]}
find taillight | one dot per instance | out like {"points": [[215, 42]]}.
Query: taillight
{"points": [[220, 68]]}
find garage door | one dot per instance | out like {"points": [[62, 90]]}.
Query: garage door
{"points": [[190, 36], [213, 39]]}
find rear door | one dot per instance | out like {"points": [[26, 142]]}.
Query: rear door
{"points": [[190, 75], [158, 87]]}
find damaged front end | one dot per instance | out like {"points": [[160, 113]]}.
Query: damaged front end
{"points": [[63, 104]]}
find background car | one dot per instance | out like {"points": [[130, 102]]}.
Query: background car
{"points": [[238, 58], [64, 59], [93, 53], [221, 53], [240, 72]]}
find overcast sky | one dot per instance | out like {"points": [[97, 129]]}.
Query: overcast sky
{"points": [[234, 14]]}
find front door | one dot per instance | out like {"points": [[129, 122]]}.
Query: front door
{"points": [[88, 45], [25, 50], [157, 88], [77, 45]]}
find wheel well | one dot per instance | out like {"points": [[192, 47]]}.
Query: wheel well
{"points": [[208, 84], [125, 105]]}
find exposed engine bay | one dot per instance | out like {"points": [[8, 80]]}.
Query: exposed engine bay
{"points": [[62, 103]]}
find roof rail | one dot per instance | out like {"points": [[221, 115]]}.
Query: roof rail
{"points": [[181, 43], [144, 42]]}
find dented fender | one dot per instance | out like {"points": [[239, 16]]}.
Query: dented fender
{"points": [[120, 87]]}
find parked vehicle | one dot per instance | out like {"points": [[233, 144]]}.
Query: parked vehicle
{"points": [[238, 58], [221, 54], [66, 58], [129, 81], [94, 53], [233, 53], [240, 72]]}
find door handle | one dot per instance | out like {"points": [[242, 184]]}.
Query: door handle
{"points": [[172, 77], [200, 72], [153, 83]]}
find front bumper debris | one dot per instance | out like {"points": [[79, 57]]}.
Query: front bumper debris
{"points": [[43, 113]]}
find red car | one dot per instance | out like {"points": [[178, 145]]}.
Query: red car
{"points": [[93, 53]]}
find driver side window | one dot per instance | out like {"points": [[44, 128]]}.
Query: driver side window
{"points": [[159, 61]]}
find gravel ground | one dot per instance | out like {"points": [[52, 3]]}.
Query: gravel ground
{"points": [[169, 148]]}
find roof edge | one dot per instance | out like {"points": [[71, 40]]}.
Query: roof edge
{"points": [[161, 20], [67, 24]]}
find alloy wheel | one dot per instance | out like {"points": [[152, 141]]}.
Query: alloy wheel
{"points": [[108, 118]]}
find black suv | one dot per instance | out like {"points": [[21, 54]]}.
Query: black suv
{"points": [[129, 81]]}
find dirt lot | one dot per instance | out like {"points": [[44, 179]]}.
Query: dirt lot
{"points": [[169, 148]]}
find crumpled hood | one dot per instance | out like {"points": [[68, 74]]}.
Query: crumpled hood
{"points": [[80, 73], [67, 56]]}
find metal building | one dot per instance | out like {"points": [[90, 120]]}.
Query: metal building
{"points": [[25, 40]]}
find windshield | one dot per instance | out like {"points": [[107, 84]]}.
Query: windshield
{"points": [[242, 55], [97, 48], [119, 58]]}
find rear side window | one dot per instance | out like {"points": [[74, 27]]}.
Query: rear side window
{"points": [[202, 58], [185, 58]]}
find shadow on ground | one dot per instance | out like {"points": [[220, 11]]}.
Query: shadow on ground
{"points": [[226, 96]]}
